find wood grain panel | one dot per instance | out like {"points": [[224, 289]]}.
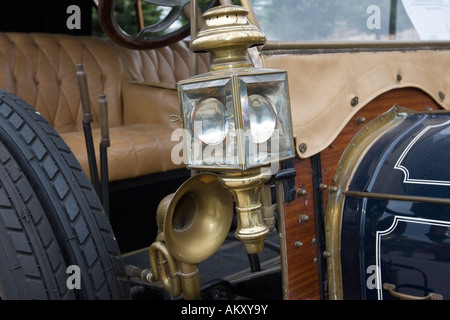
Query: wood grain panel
{"points": [[301, 249]]}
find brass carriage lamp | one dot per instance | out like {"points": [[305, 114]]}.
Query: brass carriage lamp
{"points": [[236, 118]]}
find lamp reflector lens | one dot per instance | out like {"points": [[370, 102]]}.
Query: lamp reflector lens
{"points": [[210, 122], [263, 120]]}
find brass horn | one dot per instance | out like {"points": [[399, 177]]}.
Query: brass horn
{"points": [[193, 223]]}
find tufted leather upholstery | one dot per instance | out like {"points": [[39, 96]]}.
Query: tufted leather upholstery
{"points": [[140, 88], [164, 66]]}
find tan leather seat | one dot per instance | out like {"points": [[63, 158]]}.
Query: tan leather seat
{"points": [[140, 88]]}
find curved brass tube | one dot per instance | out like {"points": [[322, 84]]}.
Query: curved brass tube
{"points": [[190, 281], [162, 262], [177, 278]]}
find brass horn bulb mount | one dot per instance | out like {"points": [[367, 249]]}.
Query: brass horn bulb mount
{"points": [[246, 188]]}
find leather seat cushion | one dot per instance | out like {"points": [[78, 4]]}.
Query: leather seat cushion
{"points": [[135, 150]]}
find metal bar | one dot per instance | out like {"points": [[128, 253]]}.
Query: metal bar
{"points": [[87, 119], [356, 46], [282, 234], [247, 4], [140, 15], [104, 144], [193, 57], [316, 165], [393, 20], [255, 265], [138, 273], [384, 196], [91, 157]]}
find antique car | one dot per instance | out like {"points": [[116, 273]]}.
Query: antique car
{"points": [[225, 150]]}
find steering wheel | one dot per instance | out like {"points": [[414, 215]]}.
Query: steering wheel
{"points": [[142, 40]]}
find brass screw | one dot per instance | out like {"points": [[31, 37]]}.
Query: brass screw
{"points": [[360, 120], [302, 147], [302, 218], [301, 192], [326, 254], [333, 188]]}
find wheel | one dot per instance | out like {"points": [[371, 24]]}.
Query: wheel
{"points": [[31, 264], [72, 207], [146, 38]]}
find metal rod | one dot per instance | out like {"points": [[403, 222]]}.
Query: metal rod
{"points": [[385, 196], [140, 15], [104, 144], [282, 234], [356, 46], [255, 265], [193, 57], [316, 164], [247, 4], [87, 119], [141, 274], [392, 20]]}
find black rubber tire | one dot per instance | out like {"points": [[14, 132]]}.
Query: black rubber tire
{"points": [[72, 207], [31, 264]]}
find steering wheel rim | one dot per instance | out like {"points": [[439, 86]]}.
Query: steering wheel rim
{"points": [[110, 26]]}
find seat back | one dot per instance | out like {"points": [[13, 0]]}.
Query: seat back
{"points": [[164, 66], [41, 69]]}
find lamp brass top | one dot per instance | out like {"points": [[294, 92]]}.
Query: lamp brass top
{"points": [[227, 34]]}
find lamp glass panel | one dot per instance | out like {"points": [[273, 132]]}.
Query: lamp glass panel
{"points": [[208, 116], [266, 117]]}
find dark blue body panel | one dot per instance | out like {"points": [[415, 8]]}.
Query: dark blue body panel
{"points": [[403, 242]]}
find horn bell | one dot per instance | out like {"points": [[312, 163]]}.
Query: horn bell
{"points": [[198, 218]]}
